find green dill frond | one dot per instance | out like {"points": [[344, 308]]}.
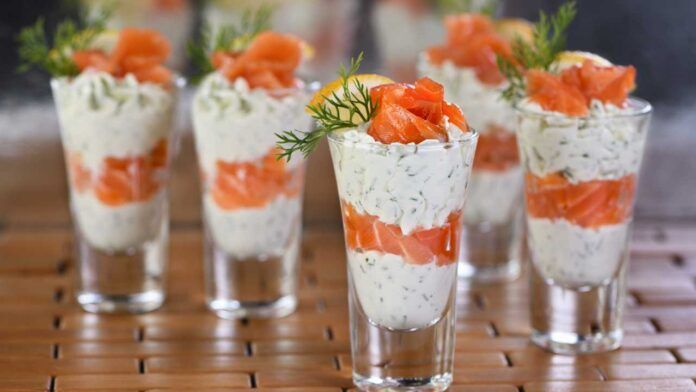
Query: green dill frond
{"points": [[548, 39], [35, 49], [228, 38], [347, 108]]}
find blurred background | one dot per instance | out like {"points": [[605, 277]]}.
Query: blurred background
{"points": [[659, 39]]}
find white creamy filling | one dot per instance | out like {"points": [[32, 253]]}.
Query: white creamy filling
{"points": [[113, 229], [398, 295], [494, 196], [103, 116], [236, 124], [100, 117], [482, 104], [574, 256], [401, 184], [255, 232], [583, 149]]}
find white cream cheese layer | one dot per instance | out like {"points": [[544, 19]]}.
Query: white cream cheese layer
{"points": [[410, 185], [597, 147], [103, 116], [254, 232], [398, 295], [494, 196], [574, 256], [482, 104], [236, 124], [100, 117], [119, 228]]}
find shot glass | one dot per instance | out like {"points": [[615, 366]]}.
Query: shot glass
{"points": [[402, 209], [252, 201], [118, 136], [580, 185]]}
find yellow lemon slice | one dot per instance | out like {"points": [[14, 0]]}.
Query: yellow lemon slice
{"points": [[308, 51], [511, 28], [335, 88], [567, 59], [106, 40]]}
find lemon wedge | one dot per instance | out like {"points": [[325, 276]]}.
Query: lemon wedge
{"points": [[511, 28], [567, 59], [336, 88], [106, 40]]}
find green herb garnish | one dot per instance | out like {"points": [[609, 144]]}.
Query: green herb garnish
{"points": [[229, 38], [548, 39], [347, 108], [36, 50]]}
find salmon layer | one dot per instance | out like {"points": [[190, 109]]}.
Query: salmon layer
{"points": [[254, 184], [121, 180], [589, 204], [496, 150], [422, 246], [413, 113]]}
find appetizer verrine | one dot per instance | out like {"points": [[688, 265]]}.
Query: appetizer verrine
{"points": [[466, 65], [402, 157], [252, 201], [581, 142], [116, 103]]}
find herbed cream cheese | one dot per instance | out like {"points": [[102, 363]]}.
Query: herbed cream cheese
{"points": [[494, 196], [400, 295], [103, 116], [409, 185], [574, 256], [608, 144], [255, 232], [234, 123], [482, 104]]}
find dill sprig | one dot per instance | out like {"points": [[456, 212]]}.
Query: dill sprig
{"points": [[36, 50], [548, 39], [228, 38], [485, 7], [348, 107]]}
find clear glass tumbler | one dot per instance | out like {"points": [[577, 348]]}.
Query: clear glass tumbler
{"points": [[118, 136], [252, 201], [402, 211], [580, 184]]}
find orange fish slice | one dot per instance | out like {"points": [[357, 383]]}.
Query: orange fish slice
{"points": [[368, 233], [608, 84], [496, 150], [552, 94], [589, 204]]}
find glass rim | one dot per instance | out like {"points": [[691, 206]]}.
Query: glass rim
{"points": [[467, 139], [178, 81], [640, 106]]}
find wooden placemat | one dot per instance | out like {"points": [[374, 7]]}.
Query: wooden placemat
{"points": [[48, 343]]}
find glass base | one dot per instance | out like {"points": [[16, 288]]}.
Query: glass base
{"points": [[125, 281], [491, 253], [232, 309], [136, 303], [570, 343], [430, 384]]}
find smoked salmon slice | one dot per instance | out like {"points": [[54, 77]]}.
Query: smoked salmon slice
{"points": [[606, 84], [412, 113], [589, 204], [140, 52], [254, 184], [551, 93], [269, 62], [496, 150], [367, 233], [472, 41]]}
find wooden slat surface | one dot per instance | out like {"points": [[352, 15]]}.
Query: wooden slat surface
{"points": [[48, 343]]}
